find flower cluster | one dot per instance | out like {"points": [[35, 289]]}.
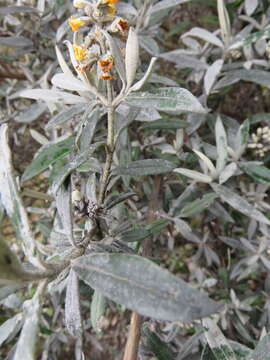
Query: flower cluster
{"points": [[101, 16], [260, 141]]}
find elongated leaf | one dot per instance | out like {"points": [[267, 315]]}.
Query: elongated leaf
{"points": [[262, 350], [220, 347], [241, 138], [145, 167], [143, 286], [166, 124], [10, 327], [132, 56], [260, 77], [10, 198], [46, 156], [88, 128], [221, 142], [258, 35], [26, 345], [211, 75], [138, 85], [98, 307], [73, 318], [32, 113], [204, 35], [141, 233], [184, 60], [239, 203], [53, 96], [64, 116], [68, 82], [169, 99], [198, 205], [227, 172], [15, 41], [194, 175], [259, 173]]}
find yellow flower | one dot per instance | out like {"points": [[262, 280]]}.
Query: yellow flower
{"points": [[79, 52], [75, 24], [111, 9]]}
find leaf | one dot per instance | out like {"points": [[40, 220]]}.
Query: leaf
{"points": [[198, 205], [194, 175], [260, 77], [139, 84], [211, 75], [132, 56], [166, 124], [219, 345], [10, 198], [145, 167], [65, 115], [259, 173], [88, 128], [98, 307], [69, 82], [138, 233], [224, 21], [15, 41], [183, 60], [46, 156], [10, 328], [227, 172], [221, 142], [204, 35], [250, 6], [62, 62], [169, 99], [73, 164], [165, 5], [53, 96], [155, 345], [149, 44], [254, 37], [26, 344], [73, 320], [262, 350], [143, 286], [33, 112], [242, 138], [239, 203]]}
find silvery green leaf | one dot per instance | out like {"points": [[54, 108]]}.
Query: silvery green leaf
{"points": [[262, 350], [251, 38], [53, 96], [98, 307], [165, 5], [126, 9], [241, 139], [194, 175], [116, 52], [65, 115], [63, 204], [26, 345], [17, 9], [132, 56], [6, 290], [184, 61], [239, 203], [88, 128], [159, 79], [10, 328], [41, 139], [148, 115], [219, 345], [207, 162], [204, 35], [227, 172], [145, 167], [10, 197], [173, 100], [68, 82], [73, 320], [15, 41], [73, 164], [198, 205], [62, 62], [138, 85], [149, 44], [259, 173], [221, 142], [33, 112], [46, 156], [211, 75], [260, 77], [250, 6], [224, 22], [143, 286], [166, 124]]}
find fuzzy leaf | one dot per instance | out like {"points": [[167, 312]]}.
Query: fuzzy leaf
{"points": [[53, 96], [132, 56], [198, 205], [145, 167], [10, 328], [169, 99], [47, 155], [239, 203], [204, 35], [73, 318], [262, 350], [259, 173], [143, 286], [221, 141], [98, 307], [194, 175]]}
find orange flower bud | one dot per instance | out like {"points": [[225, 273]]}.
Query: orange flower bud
{"points": [[75, 24], [106, 63], [105, 76]]}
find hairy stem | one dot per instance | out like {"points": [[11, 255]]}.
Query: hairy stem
{"points": [[109, 145]]}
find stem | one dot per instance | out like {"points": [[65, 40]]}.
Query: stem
{"points": [[109, 145]]}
